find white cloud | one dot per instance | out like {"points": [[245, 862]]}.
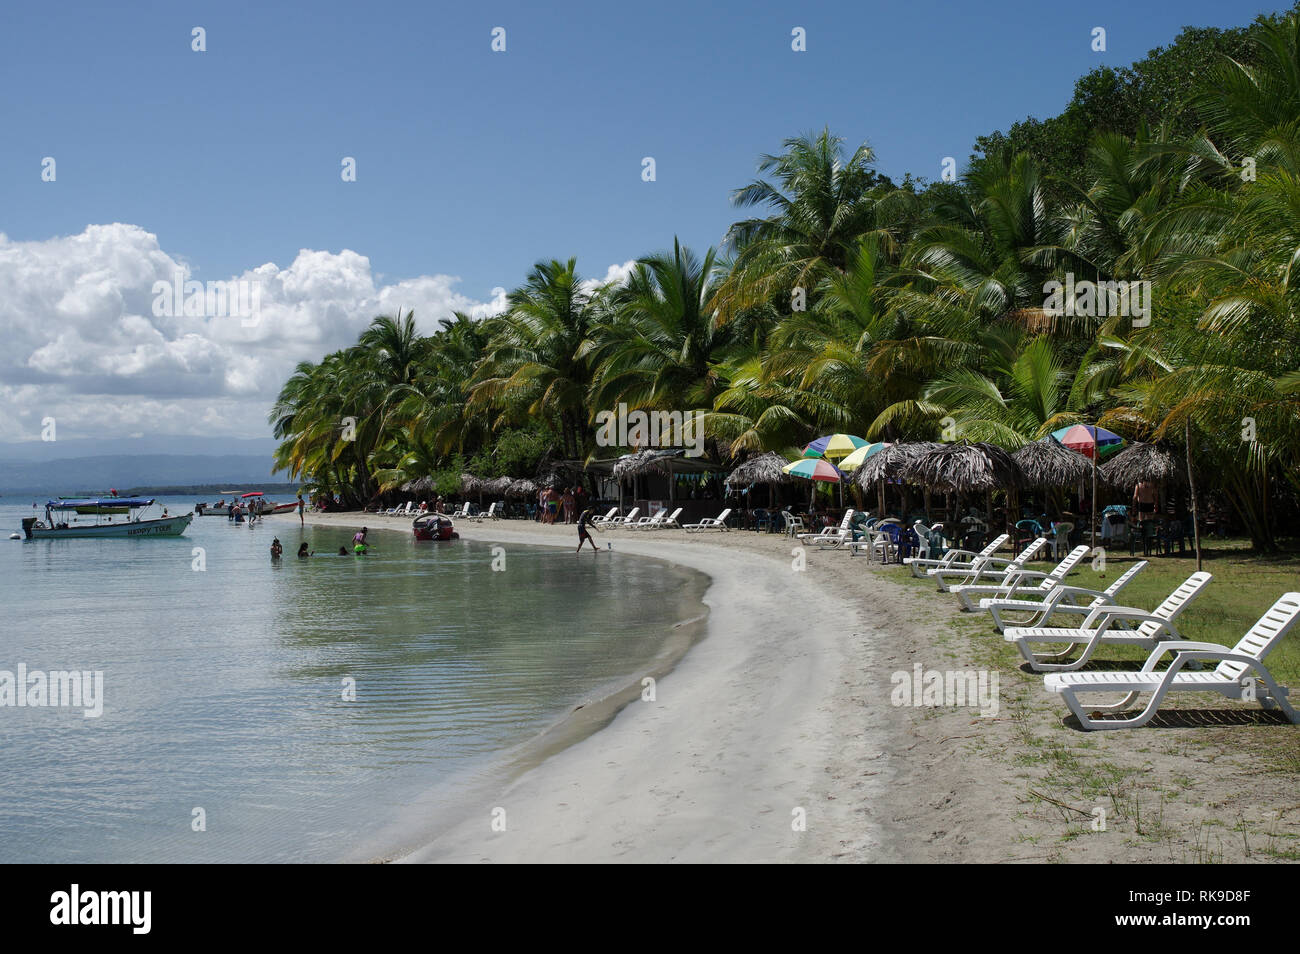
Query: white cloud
{"points": [[83, 343]]}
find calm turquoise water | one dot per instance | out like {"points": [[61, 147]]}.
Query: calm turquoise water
{"points": [[223, 688]]}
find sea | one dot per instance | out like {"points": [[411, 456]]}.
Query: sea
{"points": [[305, 710]]}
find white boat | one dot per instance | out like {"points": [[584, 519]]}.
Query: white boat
{"points": [[54, 528]]}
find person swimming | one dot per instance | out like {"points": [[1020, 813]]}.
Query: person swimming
{"points": [[343, 551], [303, 550], [276, 549]]}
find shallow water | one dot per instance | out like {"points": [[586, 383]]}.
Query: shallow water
{"points": [[224, 686]]}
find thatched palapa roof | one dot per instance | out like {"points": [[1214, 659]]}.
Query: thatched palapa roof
{"points": [[891, 462], [1049, 463], [1139, 462], [964, 467], [421, 485], [645, 462], [522, 487], [762, 469], [469, 484], [497, 485]]}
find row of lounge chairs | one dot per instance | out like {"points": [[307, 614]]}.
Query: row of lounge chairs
{"points": [[660, 520], [1022, 602], [1004, 589]]}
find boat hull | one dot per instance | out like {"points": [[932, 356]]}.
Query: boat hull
{"points": [[161, 527]]}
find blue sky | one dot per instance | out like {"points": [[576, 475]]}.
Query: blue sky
{"points": [[475, 164], [471, 164]]}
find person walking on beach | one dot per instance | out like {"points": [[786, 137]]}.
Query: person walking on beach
{"points": [[302, 507], [567, 503], [584, 522]]}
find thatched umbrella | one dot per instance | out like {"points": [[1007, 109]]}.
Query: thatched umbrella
{"points": [[762, 469], [1048, 463], [522, 488], [966, 468], [469, 484], [421, 485], [1139, 462], [497, 486], [889, 464], [1150, 462]]}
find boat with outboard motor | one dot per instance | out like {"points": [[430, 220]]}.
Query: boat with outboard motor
{"points": [[434, 526], [54, 528]]}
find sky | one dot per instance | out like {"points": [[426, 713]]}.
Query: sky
{"points": [[470, 163]]}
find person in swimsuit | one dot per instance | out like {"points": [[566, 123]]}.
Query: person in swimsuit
{"points": [[584, 522], [1144, 500], [276, 549], [359, 541]]}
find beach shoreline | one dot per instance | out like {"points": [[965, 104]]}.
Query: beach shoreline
{"points": [[736, 753]]}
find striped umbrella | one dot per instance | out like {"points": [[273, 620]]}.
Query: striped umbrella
{"points": [[834, 446], [813, 469], [1089, 440], [859, 456]]}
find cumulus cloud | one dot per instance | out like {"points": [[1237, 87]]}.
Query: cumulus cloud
{"points": [[103, 332]]}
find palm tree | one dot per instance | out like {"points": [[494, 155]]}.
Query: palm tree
{"points": [[536, 363], [821, 205]]}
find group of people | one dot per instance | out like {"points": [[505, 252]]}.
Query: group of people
{"points": [[359, 547], [565, 502]]}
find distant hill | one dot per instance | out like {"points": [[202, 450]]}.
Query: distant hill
{"points": [[76, 475]]}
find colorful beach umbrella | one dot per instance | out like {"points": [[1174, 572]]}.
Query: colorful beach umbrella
{"points": [[834, 446], [859, 456], [812, 468], [1094, 443], [1089, 440]]}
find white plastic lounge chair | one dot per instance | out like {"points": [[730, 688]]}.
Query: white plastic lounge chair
{"points": [[1021, 583], [955, 559], [710, 523], [829, 539], [848, 515], [600, 521], [661, 522], [1241, 673], [614, 523], [793, 525], [463, 511], [491, 512], [992, 569], [1063, 599], [1109, 626], [648, 522]]}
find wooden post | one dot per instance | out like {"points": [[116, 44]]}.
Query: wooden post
{"points": [[1191, 484]]}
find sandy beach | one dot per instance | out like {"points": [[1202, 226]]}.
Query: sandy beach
{"points": [[774, 739]]}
